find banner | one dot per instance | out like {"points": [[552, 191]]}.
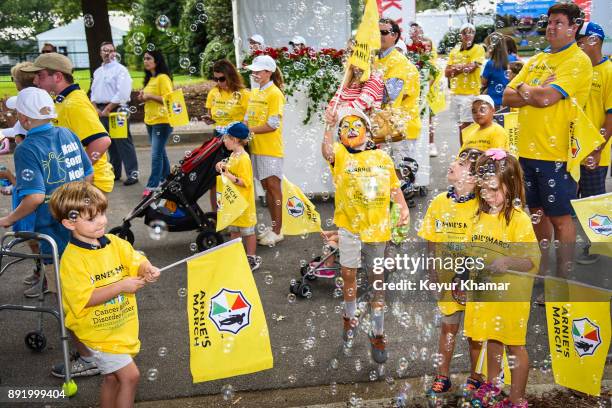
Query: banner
{"points": [[176, 108], [228, 334], [299, 213], [595, 216], [402, 11], [230, 203], [584, 138], [435, 97], [118, 125], [367, 39]]}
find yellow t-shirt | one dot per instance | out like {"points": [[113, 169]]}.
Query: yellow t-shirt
{"points": [[466, 84], [75, 112], [494, 136], [363, 184], [506, 320], [226, 107], [263, 104], [599, 103], [240, 166], [111, 327], [155, 113], [446, 223], [396, 65], [543, 133]]}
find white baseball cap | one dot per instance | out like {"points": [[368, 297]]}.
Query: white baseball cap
{"points": [[257, 38], [35, 103], [11, 102], [467, 25], [263, 63], [485, 99], [297, 40]]}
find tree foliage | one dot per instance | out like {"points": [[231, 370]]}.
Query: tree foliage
{"points": [[220, 34]]}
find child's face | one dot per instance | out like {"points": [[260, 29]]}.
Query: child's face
{"points": [[482, 113], [459, 172], [494, 194], [231, 142], [91, 228], [352, 131]]}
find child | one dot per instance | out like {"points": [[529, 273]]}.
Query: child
{"points": [[514, 68], [484, 134], [361, 213], [100, 275], [447, 221], [238, 170], [505, 231]]}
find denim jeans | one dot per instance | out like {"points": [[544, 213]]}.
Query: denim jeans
{"points": [[160, 165]]}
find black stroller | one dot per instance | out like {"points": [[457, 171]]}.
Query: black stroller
{"points": [[188, 181]]}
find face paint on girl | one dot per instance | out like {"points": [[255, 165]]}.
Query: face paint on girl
{"points": [[352, 131]]}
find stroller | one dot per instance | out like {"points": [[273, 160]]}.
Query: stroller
{"points": [[175, 202], [310, 272]]}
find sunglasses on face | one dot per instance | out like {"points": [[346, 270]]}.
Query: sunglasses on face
{"points": [[219, 79], [386, 32], [46, 51]]}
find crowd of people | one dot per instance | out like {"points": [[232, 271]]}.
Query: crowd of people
{"points": [[63, 177]]}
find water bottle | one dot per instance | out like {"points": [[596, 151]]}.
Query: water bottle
{"points": [[398, 233]]}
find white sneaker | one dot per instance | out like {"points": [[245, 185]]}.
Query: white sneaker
{"points": [[271, 239], [433, 150], [254, 262], [263, 233]]}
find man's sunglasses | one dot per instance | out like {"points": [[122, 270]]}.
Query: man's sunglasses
{"points": [[219, 79], [386, 32], [46, 51]]}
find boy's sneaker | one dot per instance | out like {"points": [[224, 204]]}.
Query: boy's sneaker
{"points": [[271, 239], [506, 403], [263, 233], [350, 328], [485, 395], [34, 291], [440, 385], [470, 386], [377, 343], [78, 368], [254, 262], [32, 279]]}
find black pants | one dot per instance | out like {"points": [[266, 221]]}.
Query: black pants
{"points": [[121, 151]]}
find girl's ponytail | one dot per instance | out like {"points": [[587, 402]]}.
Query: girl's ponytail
{"points": [[277, 78]]}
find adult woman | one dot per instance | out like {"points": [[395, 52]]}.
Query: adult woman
{"points": [[157, 83], [494, 76], [226, 102], [512, 49], [358, 93], [264, 119]]}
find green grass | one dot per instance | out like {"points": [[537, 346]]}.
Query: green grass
{"points": [[81, 77]]}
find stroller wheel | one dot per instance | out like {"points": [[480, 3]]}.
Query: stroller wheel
{"points": [[423, 191], [208, 239], [294, 287], [124, 233], [36, 340], [210, 220], [305, 291]]}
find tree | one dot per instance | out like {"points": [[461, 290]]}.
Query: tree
{"points": [[193, 26], [22, 19], [97, 29], [221, 33]]}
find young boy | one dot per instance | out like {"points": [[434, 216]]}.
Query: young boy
{"points": [[484, 134], [446, 222], [100, 275], [365, 183], [239, 171], [46, 159]]}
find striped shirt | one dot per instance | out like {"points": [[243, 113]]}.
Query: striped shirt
{"points": [[362, 96]]}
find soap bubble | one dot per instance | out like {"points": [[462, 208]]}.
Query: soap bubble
{"points": [[202, 18], [184, 62], [88, 20], [152, 374], [193, 247], [137, 50], [268, 279], [150, 47], [291, 298], [138, 38], [182, 292], [162, 352], [162, 22], [176, 138], [228, 392], [158, 230]]}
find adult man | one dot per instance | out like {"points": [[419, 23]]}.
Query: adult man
{"points": [[111, 88], [544, 91], [599, 110], [463, 70], [47, 48], [256, 43], [401, 91], [75, 112], [297, 43]]}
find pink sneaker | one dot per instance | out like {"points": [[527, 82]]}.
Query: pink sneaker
{"points": [[486, 395], [506, 403]]}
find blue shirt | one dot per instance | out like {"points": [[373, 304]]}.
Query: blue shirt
{"points": [[48, 158], [497, 79]]}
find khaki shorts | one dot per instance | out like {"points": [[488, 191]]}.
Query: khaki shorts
{"points": [[244, 231], [400, 149], [461, 108], [352, 249], [109, 363]]}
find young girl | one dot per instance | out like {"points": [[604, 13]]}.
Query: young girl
{"points": [[446, 222], [238, 170], [264, 118], [505, 233]]}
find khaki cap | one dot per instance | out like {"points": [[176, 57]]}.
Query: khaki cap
{"points": [[52, 61]]}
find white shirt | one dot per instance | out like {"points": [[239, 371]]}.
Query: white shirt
{"points": [[17, 129], [111, 83]]}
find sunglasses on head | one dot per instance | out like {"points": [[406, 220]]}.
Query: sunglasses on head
{"points": [[386, 32], [219, 79]]}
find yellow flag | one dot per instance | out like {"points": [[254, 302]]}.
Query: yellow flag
{"points": [[584, 138], [118, 125], [511, 124], [579, 337], [176, 108], [367, 39], [435, 97], [481, 364], [299, 214], [228, 334], [595, 216], [230, 203]]}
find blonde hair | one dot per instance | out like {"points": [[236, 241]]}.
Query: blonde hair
{"points": [[23, 79], [79, 196]]}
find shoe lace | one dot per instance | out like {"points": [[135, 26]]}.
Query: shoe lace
{"points": [[439, 383], [471, 384]]}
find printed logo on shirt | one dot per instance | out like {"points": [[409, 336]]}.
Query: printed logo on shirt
{"points": [[601, 224], [586, 336], [295, 207], [230, 311], [177, 108]]}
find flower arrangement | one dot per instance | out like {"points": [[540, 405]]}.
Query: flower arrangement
{"points": [[317, 72], [420, 55]]}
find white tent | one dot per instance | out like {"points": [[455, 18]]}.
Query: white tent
{"points": [[70, 40]]}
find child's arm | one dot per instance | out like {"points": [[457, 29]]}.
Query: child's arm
{"points": [[506, 263], [327, 147], [398, 197], [8, 175], [125, 285], [147, 271], [28, 205], [236, 180]]}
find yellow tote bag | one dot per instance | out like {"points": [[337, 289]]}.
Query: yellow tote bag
{"points": [[118, 125], [176, 108]]}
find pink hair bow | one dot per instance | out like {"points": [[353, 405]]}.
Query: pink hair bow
{"points": [[496, 154]]}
